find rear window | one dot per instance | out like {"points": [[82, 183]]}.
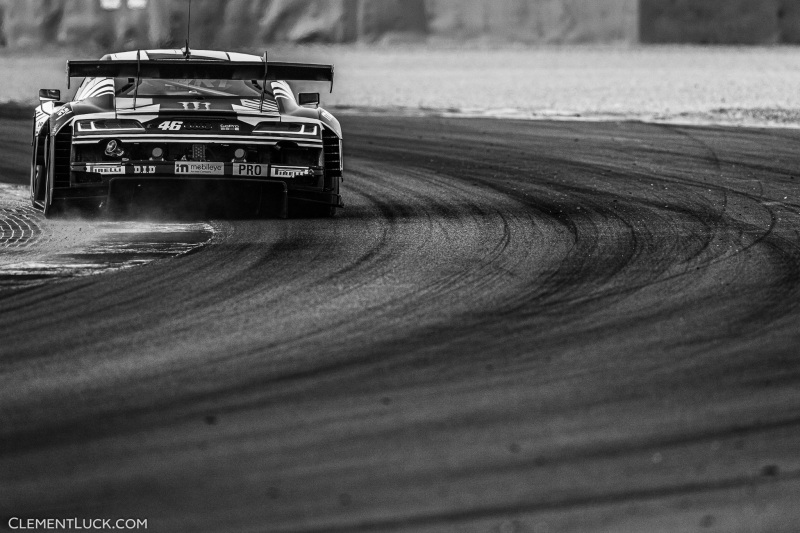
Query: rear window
{"points": [[183, 88]]}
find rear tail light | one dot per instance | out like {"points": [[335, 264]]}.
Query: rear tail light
{"points": [[103, 126], [283, 128]]}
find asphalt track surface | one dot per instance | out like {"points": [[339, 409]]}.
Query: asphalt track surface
{"points": [[514, 326]]}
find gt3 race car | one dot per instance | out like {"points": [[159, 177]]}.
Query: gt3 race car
{"points": [[166, 120]]}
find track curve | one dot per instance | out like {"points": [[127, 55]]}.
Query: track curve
{"points": [[514, 326]]}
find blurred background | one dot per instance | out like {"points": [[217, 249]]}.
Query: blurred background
{"points": [[126, 24], [720, 61]]}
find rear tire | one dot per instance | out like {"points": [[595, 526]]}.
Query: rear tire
{"points": [[51, 209], [38, 172], [38, 186]]}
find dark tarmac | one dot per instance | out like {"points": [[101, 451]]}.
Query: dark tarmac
{"points": [[514, 326]]}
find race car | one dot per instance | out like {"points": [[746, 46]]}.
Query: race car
{"points": [[159, 121]]}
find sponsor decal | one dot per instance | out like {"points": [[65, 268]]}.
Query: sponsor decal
{"points": [[197, 106], [191, 167], [144, 169], [288, 172], [327, 115], [229, 127], [106, 169], [176, 125], [249, 169], [197, 126], [173, 125], [63, 111]]}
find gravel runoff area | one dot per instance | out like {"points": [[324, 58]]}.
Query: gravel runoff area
{"points": [[727, 85]]}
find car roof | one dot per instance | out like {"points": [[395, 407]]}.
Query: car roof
{"points": [[176, 53]]}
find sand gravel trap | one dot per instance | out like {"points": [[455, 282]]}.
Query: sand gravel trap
{"points": [[34, 250]]}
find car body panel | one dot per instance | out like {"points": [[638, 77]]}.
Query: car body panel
{"points": [[195, 136]]}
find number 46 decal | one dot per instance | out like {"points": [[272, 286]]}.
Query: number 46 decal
{"points": [[170, 125]]}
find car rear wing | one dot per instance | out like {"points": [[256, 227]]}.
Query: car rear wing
{"points": [[193, 69], [199, 69]]}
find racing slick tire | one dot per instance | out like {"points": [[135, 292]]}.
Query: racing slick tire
{"points": [[38, 172], [51, 209]]}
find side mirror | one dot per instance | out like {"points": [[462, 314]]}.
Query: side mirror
{"points": [[49, 95], [308, 99]]}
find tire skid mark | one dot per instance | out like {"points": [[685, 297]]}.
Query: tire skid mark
{"points": [[715, 243], [478, 220], [572, 504], [633, 251], [714, 229], [480, 334], [487, 232]]}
